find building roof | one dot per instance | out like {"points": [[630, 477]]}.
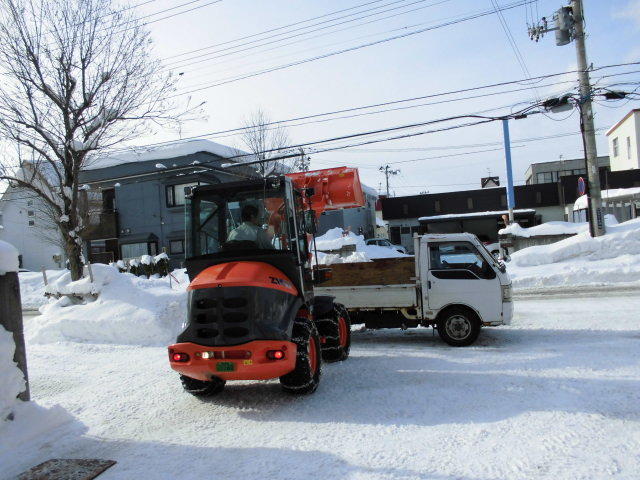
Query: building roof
{"points": [[611, 194], [496, 213], [164, 152], [631, 112]]}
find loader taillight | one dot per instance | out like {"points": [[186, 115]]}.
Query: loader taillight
{"points": [[179, 357], [275, 354]]}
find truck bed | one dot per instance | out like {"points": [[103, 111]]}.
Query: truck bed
{"points": [[379, 272], [383, 283]]}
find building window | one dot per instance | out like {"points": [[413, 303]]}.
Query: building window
{"points": [[614, 143], [31, 213], [29, 203], [538, 197], [580, 171], [470, 203], [436, 206], [176, 247], [394, 235], [175, 194], [547, 177], [32, 223], [405, 209], [134, 250], [628, 147], [503, 200]]}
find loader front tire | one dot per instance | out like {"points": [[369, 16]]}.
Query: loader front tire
{"points": [[200, 388], [306, 375]]}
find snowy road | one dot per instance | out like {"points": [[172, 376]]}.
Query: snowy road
{"points": [[555, 396]]}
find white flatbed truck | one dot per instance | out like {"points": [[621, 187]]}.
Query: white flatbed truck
{"points": [[452, 283]]}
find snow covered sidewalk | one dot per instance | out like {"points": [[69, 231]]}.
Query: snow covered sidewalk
{"points": [[555, 396]]}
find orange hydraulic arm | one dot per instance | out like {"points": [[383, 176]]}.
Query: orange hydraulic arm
{"points": [[334, 188]]}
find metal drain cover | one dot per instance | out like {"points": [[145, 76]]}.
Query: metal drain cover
{"points": [[67, 469]]}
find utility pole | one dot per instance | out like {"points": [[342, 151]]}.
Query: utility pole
{"points": [[507, 154], [593, 195], [387, 173], [569, 25]]}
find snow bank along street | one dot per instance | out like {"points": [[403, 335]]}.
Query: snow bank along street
{"points": [[613, 259], [553, 396]]}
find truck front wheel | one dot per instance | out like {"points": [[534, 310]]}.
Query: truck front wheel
{"points": [[458, 326]]}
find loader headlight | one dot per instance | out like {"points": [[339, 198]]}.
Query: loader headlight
{"points": [[506, 293]]}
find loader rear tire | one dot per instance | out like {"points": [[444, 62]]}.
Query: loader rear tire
{"points": [[306, 375], [200, 388], [336, 331]]}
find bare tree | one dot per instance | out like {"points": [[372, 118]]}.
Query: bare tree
{"points": [[78, 78], [265, 140]]}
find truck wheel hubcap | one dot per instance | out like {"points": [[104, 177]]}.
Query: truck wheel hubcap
{"points": [[458, 327]]}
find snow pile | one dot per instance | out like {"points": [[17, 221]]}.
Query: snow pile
{"points": [[20, 422], [335, 239], [126, 310], [32, 287], [581, 260], [552, 228], [8, 258]]}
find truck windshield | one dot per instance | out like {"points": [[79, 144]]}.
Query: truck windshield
{"points": [[243, 220]]}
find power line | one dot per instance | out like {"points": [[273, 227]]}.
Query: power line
{"points": [[382, 104], [271, 30], [255, 51], [207, 55], [350, 49]]}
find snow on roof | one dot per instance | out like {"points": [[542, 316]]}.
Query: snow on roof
{"points": [[369, 190], [611, 194], [163, 152], [8, 258], [475, 214]]}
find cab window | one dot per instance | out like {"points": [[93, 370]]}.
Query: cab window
{"points": [[460, 257]]}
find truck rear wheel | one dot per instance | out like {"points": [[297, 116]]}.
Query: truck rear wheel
{"points": [[458, 326], [306, 375], [200, 388], [336, 331]]}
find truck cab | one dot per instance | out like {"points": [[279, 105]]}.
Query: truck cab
{"points": [[456, 273]]}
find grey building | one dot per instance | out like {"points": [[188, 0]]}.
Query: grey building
{"points": [[549, 172], [137, 199]]}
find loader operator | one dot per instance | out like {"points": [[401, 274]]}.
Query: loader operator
{"points": [[250, 229]]}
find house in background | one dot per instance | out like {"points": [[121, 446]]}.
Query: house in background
{"points": [[359, 220], [26, 224], [143, 196], [550, 172], [624, 148]]}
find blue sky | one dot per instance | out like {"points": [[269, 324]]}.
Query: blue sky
{"points": [[465, 55]]}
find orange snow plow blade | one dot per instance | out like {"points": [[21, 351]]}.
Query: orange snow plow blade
{"points": [[334, 188]]}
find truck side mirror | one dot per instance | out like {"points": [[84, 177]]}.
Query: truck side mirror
{"points": [[310, 221]]}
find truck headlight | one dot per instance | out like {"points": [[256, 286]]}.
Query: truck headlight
{"points": [[506, 293]]}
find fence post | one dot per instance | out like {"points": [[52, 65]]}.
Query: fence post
{"points": [[11, 320]]}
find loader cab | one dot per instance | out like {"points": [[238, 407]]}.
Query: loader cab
{"points": [[254, 220]]}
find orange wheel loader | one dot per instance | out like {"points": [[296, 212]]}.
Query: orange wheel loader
{"points": [[252, 313]]}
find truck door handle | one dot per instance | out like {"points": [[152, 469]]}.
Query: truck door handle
{"points": [[428, 283]]}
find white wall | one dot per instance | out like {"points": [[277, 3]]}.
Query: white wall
{"points": [[626, 159], [14, 219]]}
